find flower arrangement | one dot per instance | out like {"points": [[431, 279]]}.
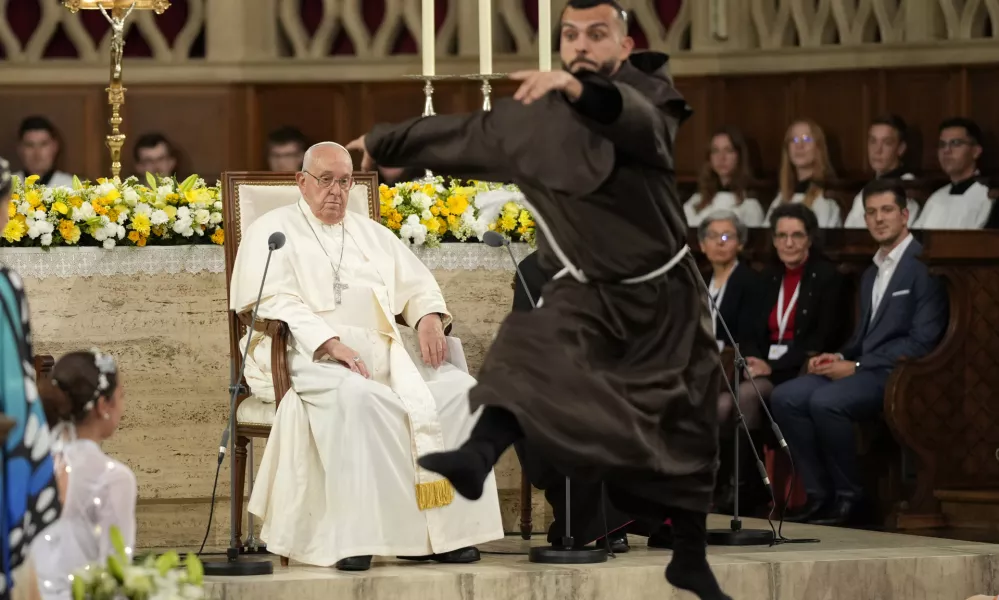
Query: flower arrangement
{"points": [[428, 212], [113, 213], [155, 579]]}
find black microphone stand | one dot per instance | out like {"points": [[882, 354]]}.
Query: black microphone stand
{"points": [[736, 535], [232, 566], [565, 553]]}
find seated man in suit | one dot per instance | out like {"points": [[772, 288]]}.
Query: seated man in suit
{"points": [[904, 313]]}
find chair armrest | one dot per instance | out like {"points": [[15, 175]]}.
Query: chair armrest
{"points": [[399, 320], [280, 334], [43, 366]]}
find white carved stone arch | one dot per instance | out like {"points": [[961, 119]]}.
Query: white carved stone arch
{"points": [[967, 19], [347, 16]]}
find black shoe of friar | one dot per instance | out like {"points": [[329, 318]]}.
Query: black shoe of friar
{"points": [[466, 555], [354, 563]]}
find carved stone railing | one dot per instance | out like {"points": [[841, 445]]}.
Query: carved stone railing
{"points": [[277, 40]]}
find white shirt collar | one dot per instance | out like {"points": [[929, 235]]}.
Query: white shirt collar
{"points": [[895, 255]]}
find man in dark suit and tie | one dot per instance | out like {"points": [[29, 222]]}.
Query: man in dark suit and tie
{"points": [[904, 313]]}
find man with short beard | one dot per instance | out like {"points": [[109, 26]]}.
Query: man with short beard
{"points": [[615, 378]]}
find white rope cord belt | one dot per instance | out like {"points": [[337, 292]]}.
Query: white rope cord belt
{"points": [[663, 270]]}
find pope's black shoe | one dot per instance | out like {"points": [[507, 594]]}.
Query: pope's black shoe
{"points": [[465, 555], [354, 563], [840, 513]]}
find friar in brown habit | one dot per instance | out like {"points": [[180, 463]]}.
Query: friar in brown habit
{"points": [[615, 377]]}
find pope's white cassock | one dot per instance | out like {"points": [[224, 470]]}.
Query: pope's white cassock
{"points": [[339, 475]]}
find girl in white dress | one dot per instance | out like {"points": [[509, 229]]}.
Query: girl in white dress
{"points": [[84, 401], [804, 166], [724, 181]]}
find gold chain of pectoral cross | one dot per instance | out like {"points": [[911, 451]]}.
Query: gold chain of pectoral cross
{"points": [[337, 286]]}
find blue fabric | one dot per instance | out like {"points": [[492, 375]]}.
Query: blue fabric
{"points": [[28, 496]]}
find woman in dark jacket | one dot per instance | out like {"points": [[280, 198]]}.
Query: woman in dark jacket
{"points": [[797, 312], [801, 305]]}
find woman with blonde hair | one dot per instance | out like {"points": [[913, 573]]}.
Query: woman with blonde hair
{"points": [[723, 183], [804, 170]]}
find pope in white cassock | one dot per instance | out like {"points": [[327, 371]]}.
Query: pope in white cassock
{"points": [[339, 482]]}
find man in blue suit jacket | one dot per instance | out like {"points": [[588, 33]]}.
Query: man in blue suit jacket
{"points": [[904, 313]]}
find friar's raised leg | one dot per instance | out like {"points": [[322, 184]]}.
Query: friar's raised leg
{"points": [[689, 569], [468, 466]]}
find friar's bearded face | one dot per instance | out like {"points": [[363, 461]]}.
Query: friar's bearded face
{"points": [[594, 39], [325, 181]]}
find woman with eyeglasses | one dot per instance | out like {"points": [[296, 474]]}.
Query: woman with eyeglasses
{"points": [[724, 182], [799, 313], [804, 169], [734, 288], [801, 304]]}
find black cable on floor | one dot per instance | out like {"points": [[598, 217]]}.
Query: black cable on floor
{"points": [[211, 510]]}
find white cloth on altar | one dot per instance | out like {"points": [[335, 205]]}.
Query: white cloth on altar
{"points": [[339, 476]]}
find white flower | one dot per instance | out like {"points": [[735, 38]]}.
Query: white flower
{"points": [[46, 239], [158, 217], [143, 209], [84, 212], [421, 201], [420, 235], [131, 196], [163, 191], [183, 213], [39, 228], [24, 208], [123, 216], [183, 227], [109, 243], [216, 218], [217, 205], [201, 216], [47, 195], [121, 232], [427, 215], [40, 215], [104, 189]]}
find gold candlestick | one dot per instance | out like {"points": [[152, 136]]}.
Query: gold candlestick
{"points": [[120, 10]]}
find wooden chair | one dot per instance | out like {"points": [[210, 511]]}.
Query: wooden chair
{"points": [[245, 197]]}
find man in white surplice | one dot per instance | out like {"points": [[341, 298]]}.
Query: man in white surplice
{"points": [[338, 481]]}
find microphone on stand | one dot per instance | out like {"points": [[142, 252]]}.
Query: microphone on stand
{"points": [[232, 566], [736, 535], [566, 553]]}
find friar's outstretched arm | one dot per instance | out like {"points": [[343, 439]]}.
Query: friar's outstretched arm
{"points": [[643, 125], [466, 146]]}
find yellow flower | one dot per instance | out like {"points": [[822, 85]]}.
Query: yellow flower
{"points": [[140, 223], [428, 189], [61, 207], [219, 236], [159, 230], [113, 214], [30, 181], [441, 225], [508, 223], [171, 211], [172, 198], [111, 196], [452, 221], [137, 238], [11, 209], [435, 210], [33, 198], [15, 229], [69, 231], [201, 195], [75, 201], [432, 225], [525, 219], [457, 204]]}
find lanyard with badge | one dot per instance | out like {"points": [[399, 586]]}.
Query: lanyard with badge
{"points": [[716, 300], [778, 350]]}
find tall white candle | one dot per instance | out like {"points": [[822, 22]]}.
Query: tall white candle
{"points": [[545, 34], [428, 42], [485, 37]]}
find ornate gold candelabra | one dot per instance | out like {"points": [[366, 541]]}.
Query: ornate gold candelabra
{"points": [[119, 12]]}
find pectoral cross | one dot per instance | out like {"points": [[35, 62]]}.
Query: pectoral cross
{"points": [[338, 289]]}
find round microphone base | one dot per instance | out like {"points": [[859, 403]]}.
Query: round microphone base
{"points": [[242, 567], [555, 555], [742, 537]]}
